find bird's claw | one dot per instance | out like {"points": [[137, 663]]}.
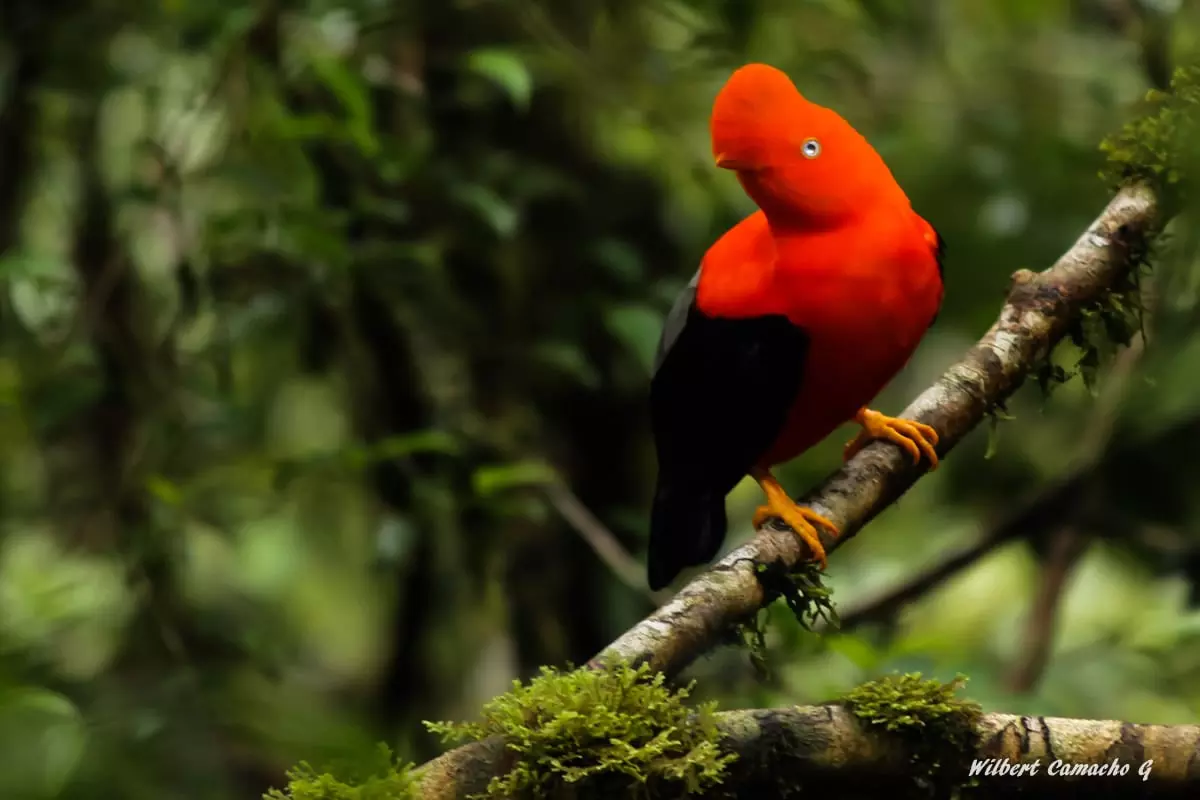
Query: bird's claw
{"points": [[916, 438], [803, 521]]}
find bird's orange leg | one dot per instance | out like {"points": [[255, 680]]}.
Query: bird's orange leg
{"points": [[798, 518], [915, 437]]}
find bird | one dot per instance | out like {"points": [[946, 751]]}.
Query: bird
{"points": [[796, 319]]}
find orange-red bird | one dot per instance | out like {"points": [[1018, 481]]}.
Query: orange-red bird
{"points": [[797, 318]]}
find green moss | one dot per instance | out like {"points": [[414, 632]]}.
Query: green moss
{"points": [[804, 591], [383, 779], [1108, 324], [1103, 326], [938, 728], [599, 733], [802, 588], [1158, 146], [996, 414], [752, 635]]}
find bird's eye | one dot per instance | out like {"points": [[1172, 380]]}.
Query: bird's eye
{"points": [[811, 148]]}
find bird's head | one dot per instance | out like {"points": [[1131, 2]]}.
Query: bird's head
{"points": [[798, 160]]}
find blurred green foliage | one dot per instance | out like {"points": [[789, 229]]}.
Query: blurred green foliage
{"points": [[306, 303]]}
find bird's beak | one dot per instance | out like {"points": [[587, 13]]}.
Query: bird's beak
{"points": [[726, 162]]}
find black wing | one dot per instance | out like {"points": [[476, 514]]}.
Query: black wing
{"points": [[676, 320], [720, 394]]}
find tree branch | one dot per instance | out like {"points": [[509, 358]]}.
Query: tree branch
{"points": [[602, 541], [827, 751], [27, 33], [1038, 312], [1028, 519], [1031, 518], [1072, 539], [1067, 547]]}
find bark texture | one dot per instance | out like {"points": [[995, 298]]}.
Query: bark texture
{"points": [[825, 750]]}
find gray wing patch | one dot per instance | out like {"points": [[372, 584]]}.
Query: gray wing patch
{"points": [[676, 319]]}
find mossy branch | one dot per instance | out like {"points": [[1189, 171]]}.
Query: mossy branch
{"points": [[828, 751], [623, 733]]}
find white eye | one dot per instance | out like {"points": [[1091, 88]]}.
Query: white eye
{"points": [[811, 148]]}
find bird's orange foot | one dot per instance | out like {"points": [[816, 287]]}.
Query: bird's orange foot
{"points": [[800, 519], [915, 437]]}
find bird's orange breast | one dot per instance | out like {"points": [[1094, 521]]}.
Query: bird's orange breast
{"points": [[865, 297], [865, 302]]}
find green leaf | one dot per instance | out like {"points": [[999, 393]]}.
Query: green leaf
{"points": [[507, 71], [431, 442], [637, 327], [620, 259], [425, 442], [568, 359], [493, 209], [32, 265], [164, 490], [489, 481], [42, 738], [43, 293], [351, 92], [386, 209], [857, 651], [998, 414]]}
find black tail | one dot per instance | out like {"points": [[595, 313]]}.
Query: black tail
{"points": [[686, 529]]}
